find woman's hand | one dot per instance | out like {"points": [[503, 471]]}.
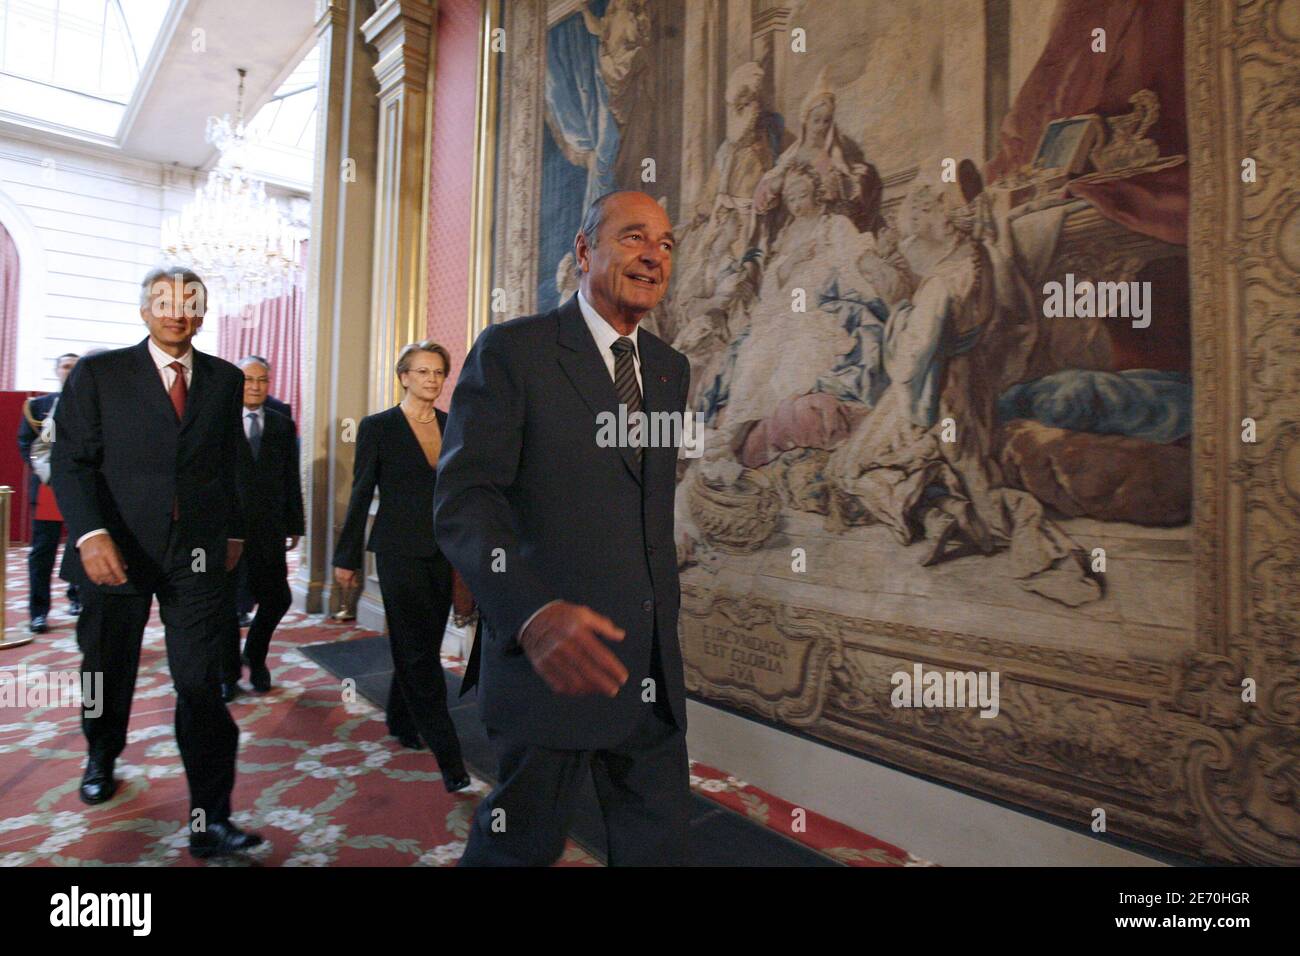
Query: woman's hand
{"points": [[346, 577]]}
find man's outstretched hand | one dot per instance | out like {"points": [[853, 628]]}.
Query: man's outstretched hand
{"points": [[564, 643]]}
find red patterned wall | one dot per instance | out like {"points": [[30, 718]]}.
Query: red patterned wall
{"points": [[452, 177]]}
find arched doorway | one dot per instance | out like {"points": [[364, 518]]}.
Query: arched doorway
{"points": [[9, 292], [22, 302]]}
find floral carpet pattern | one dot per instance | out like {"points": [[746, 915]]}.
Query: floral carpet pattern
{"points": [[318, 775]]}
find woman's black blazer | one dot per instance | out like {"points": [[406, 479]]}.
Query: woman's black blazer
{"points": [[389, 457]]}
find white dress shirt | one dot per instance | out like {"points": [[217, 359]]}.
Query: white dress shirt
{"points": [[162, 360], [605, 336]]}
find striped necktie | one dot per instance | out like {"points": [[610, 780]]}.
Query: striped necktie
{"points": [[625, 384]]}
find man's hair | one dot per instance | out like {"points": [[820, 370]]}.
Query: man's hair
{"points": [[262, 359], [595, 216], [248, 360], [71, 355], [170, 273], [406, 356]]}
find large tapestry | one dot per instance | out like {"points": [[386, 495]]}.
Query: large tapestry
{"points": [[951, 276]]}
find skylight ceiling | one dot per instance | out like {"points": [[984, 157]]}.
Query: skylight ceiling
{"points": [[282, 136], [75, 65]]}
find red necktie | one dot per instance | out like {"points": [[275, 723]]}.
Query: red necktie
{"points": [[178, 391]]}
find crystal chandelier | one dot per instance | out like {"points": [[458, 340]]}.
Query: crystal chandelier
{"points": [[231, 233]]}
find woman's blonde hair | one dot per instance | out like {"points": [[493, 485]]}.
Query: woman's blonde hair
{"points": [[405, 357]]}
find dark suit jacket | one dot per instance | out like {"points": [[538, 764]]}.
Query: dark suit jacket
{"points": [[521, 472], [275, 405], [270, 492], [121, 458], [389, 457], [39, 407]]}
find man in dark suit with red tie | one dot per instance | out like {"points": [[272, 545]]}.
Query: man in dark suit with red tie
{"points": [[144, 472], [567, 543]]}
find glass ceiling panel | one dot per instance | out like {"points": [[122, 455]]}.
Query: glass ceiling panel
{"points": [[282, 136], [75, 63]]}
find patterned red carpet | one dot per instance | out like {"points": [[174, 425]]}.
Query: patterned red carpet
{"points": [[318, 775]]}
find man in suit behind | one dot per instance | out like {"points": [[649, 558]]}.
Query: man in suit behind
{"points": [[270, 495], [46, 530], [144, 472], [568, 547], [245, 600]]}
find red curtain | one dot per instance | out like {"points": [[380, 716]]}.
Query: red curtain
{"points": [[13, 470], [1144, 50], [273, 330], [8, 310]]}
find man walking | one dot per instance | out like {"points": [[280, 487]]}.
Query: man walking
{"points": [[567, 543], [144, 471], [270, 495]]}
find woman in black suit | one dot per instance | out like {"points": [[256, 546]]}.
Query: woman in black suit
{"points": [[397, 451]]}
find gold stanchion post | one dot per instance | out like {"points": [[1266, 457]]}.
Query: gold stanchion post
{"points": [[6, 496]]}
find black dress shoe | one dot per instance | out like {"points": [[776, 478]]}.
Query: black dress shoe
{"points": [[260, 677], [97, 783], [38, 625], [245, 620], [222, 839], [410, 741], [230, 690], [456, 779]]}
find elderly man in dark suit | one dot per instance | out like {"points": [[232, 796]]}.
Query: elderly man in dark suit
{"points": [[270, 495], [567, 543], [47, 526], [245, 600], [144, 473]]}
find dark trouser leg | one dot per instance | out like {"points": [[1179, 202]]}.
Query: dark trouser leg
{"points": [[268, 578], [245, 600], [109, 632], [40, 565], [417, 601], [525, 820], [231, 669], [398, 717], [193, 606], [644, 789]]}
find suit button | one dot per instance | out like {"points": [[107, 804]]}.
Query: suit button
{"points": [[647, 605], [650, 549]]}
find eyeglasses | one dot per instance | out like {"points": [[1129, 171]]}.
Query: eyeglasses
{"points": [[428, 372]]}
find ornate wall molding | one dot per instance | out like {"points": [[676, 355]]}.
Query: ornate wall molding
{"points": [[519, 156], [401, 32], [334, 350]]}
